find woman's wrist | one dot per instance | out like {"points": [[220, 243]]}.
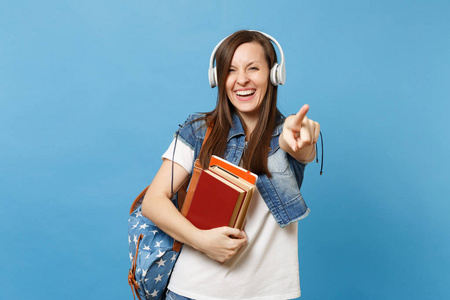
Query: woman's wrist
{"points": [[309, 158], [194, 238]]}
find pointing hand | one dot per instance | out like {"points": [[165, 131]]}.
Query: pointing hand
{"points": [[299, 131]]}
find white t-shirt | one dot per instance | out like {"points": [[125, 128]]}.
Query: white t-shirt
{"points": [[266, 267]]}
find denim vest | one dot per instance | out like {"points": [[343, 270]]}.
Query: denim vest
{"points": [[281, 192]]}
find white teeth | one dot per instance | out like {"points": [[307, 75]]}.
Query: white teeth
{"points": [[245, 93]]}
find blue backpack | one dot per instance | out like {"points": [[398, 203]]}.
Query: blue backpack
{"points": [[152, 252]]}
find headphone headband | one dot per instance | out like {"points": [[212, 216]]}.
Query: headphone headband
{"points": [[277, 72]]}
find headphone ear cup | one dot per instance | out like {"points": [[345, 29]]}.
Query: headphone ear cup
{"points": [[212, 77], [281, 74], [274, 75]]}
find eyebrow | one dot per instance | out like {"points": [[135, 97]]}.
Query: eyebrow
{"points": [[250, 63]]}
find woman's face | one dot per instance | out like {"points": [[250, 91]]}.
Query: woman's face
{"points": [[247, 79]]}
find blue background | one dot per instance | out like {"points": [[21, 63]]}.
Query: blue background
{"points": [[92, 91]]}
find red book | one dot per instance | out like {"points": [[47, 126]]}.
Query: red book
{"points": [[211, 201], [241, 208]]}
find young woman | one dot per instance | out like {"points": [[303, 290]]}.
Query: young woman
{"points": [[260, 262]]}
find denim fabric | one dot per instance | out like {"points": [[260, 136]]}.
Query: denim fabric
{"points": [[281, 192], [174, 296]]}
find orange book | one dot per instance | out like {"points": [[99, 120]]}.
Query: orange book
{"points": [[232, 168]]}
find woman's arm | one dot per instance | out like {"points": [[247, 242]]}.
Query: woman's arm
{"points": [[219, 244], [299, 136]]}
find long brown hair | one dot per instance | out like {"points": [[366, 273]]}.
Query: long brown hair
{"points": [[256, 153]]}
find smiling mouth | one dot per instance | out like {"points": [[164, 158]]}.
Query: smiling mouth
{"points": [[245, 93]]}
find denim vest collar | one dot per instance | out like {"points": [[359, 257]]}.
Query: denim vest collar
{"points": [[237, 128]]}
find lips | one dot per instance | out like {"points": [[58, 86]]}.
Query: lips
{"points": [[245, 94]]}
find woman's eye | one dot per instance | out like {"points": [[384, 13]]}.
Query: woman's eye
{"points": [[254, 68], [231, 70]]}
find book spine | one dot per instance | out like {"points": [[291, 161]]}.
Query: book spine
{"points": [[237, 210], [192, 186], [243, 211]]}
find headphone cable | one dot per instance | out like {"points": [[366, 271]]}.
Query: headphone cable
{"points": [[317, 159]]}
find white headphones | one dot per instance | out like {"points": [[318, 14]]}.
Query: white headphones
{"points": [[277, 73]]}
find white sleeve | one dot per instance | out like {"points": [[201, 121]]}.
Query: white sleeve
{"points": [[184, 155]]}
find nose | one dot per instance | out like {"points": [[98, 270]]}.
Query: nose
{"points": [[242, 78]]}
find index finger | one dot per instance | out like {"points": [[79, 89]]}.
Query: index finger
{"points": [[301, 114]]}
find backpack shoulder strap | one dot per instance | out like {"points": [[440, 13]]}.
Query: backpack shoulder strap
{"points": [[182, 191]]}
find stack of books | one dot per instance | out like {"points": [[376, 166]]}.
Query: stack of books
{"points": [[220, 197]]}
